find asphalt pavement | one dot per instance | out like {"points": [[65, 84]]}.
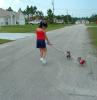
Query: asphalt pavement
{"points": [[24, 77]]}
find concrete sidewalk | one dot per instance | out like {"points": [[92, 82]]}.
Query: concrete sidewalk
{"points": [[15, 36]]}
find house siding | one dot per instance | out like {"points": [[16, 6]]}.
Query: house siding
{"points": [[2, 22], [21, 20], [11, 18]]}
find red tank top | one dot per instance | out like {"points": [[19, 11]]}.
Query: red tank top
{"points": [[40, 34]]}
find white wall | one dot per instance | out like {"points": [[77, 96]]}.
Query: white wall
{"points": [[2, 21], [12, 20], [9, 21], [21, 19], [5, 21]]}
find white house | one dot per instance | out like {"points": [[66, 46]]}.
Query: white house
{"points": [[11, 18], [60, 21], [82, 21]]}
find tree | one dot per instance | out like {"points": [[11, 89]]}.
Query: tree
{"points": [[27, 11], [33, 10], [74, 19], [30, 11], [50, 15], [67, 19], [9, 9], [58, 17], [93, 18], [20, 9], [39, 14]]}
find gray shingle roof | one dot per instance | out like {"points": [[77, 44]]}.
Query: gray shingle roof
{"points": [[4, 13]]}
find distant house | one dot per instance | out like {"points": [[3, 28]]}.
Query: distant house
{"points": [[36, 21], [82, 22], [60, 21], [11, 18]]}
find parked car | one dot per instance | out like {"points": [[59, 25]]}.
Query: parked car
{"points": [[34, 22]]}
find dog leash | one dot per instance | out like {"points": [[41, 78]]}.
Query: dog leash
{"points": [[75, 58], [59, 50]]}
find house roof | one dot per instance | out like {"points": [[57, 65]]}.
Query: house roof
{"points": [[4, 13], [18, 13]]}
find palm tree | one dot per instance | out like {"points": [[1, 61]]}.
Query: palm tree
{"points": [[30, 11], [27, 12], [33, 10]]}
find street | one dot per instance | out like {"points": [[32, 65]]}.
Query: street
{"points": [[23, 77]]}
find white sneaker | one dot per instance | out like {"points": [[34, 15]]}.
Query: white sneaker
{"points": [[43, 60]]}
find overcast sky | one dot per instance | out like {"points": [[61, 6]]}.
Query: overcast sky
{"points": [[79, 8]]}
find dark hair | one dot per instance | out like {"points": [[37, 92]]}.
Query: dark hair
{"points": [[43, 24]]}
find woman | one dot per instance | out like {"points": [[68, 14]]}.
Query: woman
{"points": [[41, 40]]}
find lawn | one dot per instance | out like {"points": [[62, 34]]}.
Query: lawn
{"points": [[4, 41], [27, 28], [92, 24], [93, 34], [55, 26], [18, 28]]}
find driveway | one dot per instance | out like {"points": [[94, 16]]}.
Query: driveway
{"points": [[14, 36], [23, 77]]}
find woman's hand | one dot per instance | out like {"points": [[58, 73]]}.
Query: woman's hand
{"points": [[48, 42]]}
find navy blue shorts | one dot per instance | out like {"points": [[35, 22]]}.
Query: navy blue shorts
{"points": [[40, 44]]}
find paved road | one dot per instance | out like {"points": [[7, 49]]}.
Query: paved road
{"points": [[23, 77]]}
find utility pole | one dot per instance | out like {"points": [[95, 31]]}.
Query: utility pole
{"points": [[53, 8]]}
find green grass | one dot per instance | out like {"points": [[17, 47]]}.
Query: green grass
{"points": [[91, 24], [27, 28], [4, 41], [18, 28], [93, 34], [55, 26]]}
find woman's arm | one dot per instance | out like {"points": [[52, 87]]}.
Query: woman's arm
{"points": [[48, 42]]}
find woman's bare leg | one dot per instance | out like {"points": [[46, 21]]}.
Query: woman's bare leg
{"points": [[44, 52], [41, 52]]}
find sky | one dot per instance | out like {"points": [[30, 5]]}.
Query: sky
{"points": [[76, 8]]}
